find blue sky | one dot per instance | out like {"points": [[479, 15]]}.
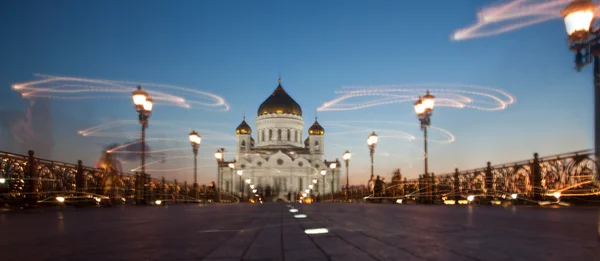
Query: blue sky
{"points": [[236, 49]]}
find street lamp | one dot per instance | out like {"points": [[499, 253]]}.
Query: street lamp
{"points": [[143, 107], [332, 166], [219, 157], [583, 38], [240, 172], [346, 158], [424, 109], [372, 141], [195, 140], [323, 173], [231, 167]]}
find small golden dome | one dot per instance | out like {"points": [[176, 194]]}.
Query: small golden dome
{"points": [[316, 129], [243, 128]]}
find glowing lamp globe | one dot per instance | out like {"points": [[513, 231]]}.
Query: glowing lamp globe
{"points": [[372, 140], [231, 166], [428, 101], [195, 138], [139, 96], [219, 155], [419, 107], [578, 17], [323, 172], [240, 172], [148, 104], [347, 155], [332, 165]]}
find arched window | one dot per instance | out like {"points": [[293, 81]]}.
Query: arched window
{"points": [[262, 135], [316, 145], [270, 134], [296, 136], [243, 145], [279, 134], [289, 136]]}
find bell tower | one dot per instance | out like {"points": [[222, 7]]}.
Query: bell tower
{"points": [[243, 137]]}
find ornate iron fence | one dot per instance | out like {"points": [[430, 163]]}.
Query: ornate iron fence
{"points": [[25, 179], [570, 174]]}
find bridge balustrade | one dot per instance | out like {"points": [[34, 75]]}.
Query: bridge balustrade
{"points": [[27, 180]]}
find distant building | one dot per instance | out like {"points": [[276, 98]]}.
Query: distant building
{"points": [[279, 160]]}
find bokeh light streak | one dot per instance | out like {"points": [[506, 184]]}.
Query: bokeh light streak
{"points": [[160, 160], [460, 96], [516, 14], [60, 87], [399, 134]]}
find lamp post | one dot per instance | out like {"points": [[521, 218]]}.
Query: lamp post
{"points": [[323, 173], [143, 107], [240, 172], [372, 141], [585, 42], [332, 166], [424, 109], [232, 168], [195, 140], [219, 157], [347, 157]]}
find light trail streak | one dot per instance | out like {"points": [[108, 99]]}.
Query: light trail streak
{"points": [[169, 170], [138, 141], [165, 127], [459, 96], [395, 133], [153, 151], [63, 87], [160, 160], [507, 17]]}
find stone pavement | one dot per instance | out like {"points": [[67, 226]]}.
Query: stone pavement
{"points": [[270, 232]]}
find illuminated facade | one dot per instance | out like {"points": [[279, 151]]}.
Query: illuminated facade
{"points": [[279, 162]]}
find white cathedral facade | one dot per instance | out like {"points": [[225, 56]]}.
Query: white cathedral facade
{"points": [[278, 161]]}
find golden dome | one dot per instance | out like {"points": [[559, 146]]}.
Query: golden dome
{"points": [[244, 128], [316, 129], [279, 103]]}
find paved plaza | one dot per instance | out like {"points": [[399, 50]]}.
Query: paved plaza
{"points": [[271, 232]]}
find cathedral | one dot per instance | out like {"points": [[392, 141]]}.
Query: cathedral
{"points": [[279, 162]]}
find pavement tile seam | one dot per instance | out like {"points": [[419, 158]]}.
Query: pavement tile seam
{"points": [[245, 253], [281, 235], [400, 248], [312, 217], [313, 241], [406, 250], [253, 226]]}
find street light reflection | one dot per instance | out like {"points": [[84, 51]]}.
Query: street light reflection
{"points": [[293, 210], [314, 231], [300, 216]]}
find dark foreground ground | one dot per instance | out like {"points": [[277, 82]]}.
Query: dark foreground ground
{"points": [[270, 232]]}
